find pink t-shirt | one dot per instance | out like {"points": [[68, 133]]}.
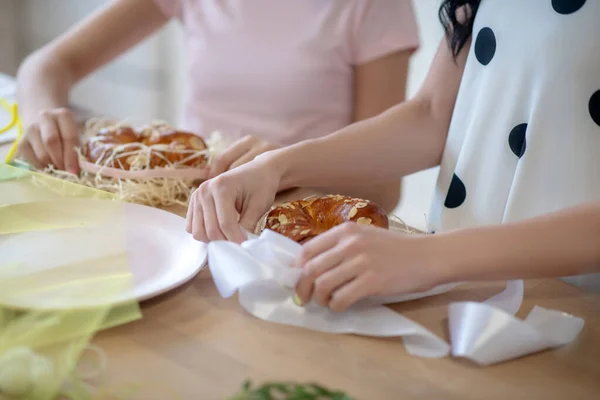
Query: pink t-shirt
{"points": [[282, 69]]}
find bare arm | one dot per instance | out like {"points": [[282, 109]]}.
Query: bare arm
{"points": [[46, 77], [407, 138], [378, 85], [563, 243]]}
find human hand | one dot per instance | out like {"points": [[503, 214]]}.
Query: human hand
{"points": [[239, 153], [51, 139], [237, 198], [352, 262]]}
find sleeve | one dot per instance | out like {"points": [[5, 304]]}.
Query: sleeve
{"points": [[382, 27], [171, 8]]}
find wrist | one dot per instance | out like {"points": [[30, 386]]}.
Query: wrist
{"points": [[276, 164], [450, 258], [281, 162]]}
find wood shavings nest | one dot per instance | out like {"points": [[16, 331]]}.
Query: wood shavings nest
{"points": [[127, 171]]}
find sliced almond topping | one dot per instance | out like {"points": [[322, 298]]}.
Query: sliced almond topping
{"points": [[362, 204], [137, 159], [305, 232], [197, 144], [154, 136], [364, 221], [353, 212], [292, 206], [283, 219], [275, 226]]}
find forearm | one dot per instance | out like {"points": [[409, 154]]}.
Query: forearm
{"points": [[47, 76], [402, 140], [43, 83], [559, 244]]}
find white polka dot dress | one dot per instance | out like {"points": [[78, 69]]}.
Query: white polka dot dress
{"points": [[525, 134]]}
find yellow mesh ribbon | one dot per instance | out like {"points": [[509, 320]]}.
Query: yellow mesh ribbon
{"points": [[15, 121], [64, 275]]}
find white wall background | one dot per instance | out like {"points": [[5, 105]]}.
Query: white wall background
{"points": [[148, 82], [8, 42], [418, 188]]}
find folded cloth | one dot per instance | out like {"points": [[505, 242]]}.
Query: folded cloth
{"points": [[260, 270]]}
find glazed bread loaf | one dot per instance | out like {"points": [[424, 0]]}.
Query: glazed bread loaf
{"points": [[302, 220], [149, 147]]}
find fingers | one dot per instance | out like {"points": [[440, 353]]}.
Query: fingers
{"points": [[331, 262], [212, 214], [51, 140], [314, 269], [333, 280], [211, 221], [40, 157], [227, 216], [249, 156], [251, 216], [70, 139], [220, 205], [26, 153], [320, 244], [198, 229], [189, 218], [350, 293], [233, 153]]}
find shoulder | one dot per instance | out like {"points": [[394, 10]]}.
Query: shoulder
{"points": [[381, 27]]}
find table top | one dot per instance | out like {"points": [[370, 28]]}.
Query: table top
{"points": [[201, 346], [196, 345]]}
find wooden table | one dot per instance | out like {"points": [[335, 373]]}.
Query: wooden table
{"points": [[202, 347]]}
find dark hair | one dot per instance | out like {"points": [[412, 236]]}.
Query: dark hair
{"points": [[458, 30]]}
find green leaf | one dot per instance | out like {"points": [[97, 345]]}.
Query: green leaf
{"points": [[288, 391]]}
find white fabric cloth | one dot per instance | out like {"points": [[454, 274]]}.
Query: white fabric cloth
{"points": [[525, 134]]}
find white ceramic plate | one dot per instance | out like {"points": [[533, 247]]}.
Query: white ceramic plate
{"points": [[160, 254]]}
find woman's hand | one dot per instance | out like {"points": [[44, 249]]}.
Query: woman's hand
{"points": [[51, 139], [352, 262], [239, 153], [235, 199]]}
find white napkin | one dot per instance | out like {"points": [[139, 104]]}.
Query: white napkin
{"points": [[486, 333]]}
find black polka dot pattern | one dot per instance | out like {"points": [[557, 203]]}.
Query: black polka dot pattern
{"points": [[595, 107], [485, 46], [567, 6], [517, 140], [456, 194]]}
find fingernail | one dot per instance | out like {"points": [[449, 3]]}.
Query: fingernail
{"points": [[297, 300]]}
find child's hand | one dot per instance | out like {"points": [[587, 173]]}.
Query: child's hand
{"points": [[352, 262], [51, 139], [236, 198], [239, 153]]}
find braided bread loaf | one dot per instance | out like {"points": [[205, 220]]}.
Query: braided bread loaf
{"points": [[302, 220], [126, 148]]}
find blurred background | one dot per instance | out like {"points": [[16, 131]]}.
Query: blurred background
{"points": [[148, 82]]}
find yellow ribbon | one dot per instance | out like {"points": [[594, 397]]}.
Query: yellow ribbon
{"points": [[13, 109]]}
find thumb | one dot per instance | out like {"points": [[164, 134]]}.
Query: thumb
{"points": [[250, 217]]}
